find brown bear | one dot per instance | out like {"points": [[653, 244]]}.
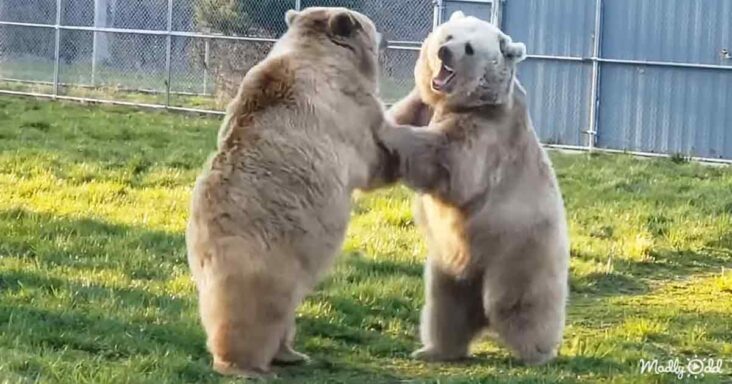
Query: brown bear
{"points": [[489, 205], [270, 211]]}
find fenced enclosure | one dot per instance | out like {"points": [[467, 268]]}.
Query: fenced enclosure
{"points": [[644, 76], [181, 54]]}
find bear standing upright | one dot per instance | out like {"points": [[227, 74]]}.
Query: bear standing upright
{"points": [[270, 211], [490, 205]]}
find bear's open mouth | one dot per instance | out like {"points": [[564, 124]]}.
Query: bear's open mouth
{"points": [[440, 82]]}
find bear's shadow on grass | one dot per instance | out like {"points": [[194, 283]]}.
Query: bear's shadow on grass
{"points": [[99, 335], [376, 346], [31, 315], [87, 243], [78, 327], [128, 334]]}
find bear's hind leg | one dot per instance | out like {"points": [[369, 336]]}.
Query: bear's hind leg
{"points": [[287, 354], [452, 316], [245, 340], [530, 320], [246, 314]]}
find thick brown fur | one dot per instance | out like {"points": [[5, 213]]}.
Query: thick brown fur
{"points": [[269, 213], [489, 204]]}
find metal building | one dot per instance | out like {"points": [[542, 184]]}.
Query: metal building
{"points": [[649, 76]]}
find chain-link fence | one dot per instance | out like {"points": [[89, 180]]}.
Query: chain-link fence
{"points": [[181, 54]]}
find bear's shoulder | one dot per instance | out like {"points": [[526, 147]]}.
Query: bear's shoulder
{"points": [[270, 83]]}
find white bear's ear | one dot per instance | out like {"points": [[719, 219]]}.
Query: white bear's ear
{"points": [[290, 16], [515, 52], [457, 15]]}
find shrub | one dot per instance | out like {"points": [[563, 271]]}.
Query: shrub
{"points": [[230, 60]]}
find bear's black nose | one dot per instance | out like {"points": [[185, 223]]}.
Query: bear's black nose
{"points": [[444, 54]]}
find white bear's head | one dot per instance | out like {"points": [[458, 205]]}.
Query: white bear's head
{"points": [[468, 62]]}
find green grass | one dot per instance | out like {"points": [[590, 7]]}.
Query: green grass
{"points": [[112, 83], [94, 285], [117, 94]]}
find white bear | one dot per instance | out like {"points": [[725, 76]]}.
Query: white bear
{"points": [[489, 205]]}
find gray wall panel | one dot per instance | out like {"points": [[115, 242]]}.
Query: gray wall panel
{"points": [[687, 31], [559, 94], [551, 27], [666, 110], [559, 91]]}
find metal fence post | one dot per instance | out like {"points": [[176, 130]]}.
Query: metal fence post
{"points": [[57, 50], [168, 49], [595, 91], [437, 13], [95, 37], [99, 9], [206, 48], [298, 5], [496, 13], [94, 61]]}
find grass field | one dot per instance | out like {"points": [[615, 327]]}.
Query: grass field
{"points": [[94, 285]]}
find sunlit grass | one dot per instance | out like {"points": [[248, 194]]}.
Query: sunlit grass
{"points": [[94, 285]]}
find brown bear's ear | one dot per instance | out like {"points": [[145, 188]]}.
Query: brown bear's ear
{"points": [[290, 16], [343, 24]]}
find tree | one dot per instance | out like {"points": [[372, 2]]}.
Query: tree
{"points": [[230, 60], [261, 18]]}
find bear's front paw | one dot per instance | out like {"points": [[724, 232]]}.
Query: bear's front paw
{"points": [[287, 356], [431, 355], [231, 369], [538, 356]]}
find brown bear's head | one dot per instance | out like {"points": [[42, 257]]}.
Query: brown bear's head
{"points": [[349, 36]]}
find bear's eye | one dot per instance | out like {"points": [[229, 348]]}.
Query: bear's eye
{"points": [[469, 49], [448, 38]]}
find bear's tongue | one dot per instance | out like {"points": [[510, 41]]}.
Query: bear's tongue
{"points": [[443, 77]]}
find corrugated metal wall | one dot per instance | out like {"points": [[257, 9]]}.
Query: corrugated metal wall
{"points": [[662, 71], [559, 87], [660, 107]]}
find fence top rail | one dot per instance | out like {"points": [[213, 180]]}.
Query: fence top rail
{"points": [[630, 62], [395, 44]]}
